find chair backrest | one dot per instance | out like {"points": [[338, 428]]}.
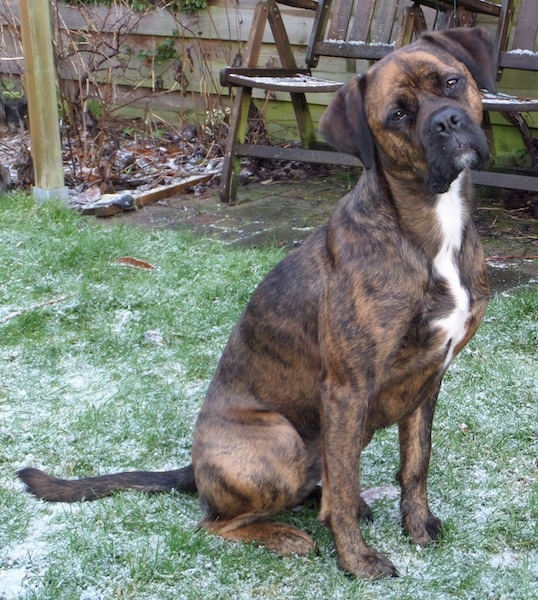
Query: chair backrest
{"points": [[361, 29], [517, 43], [371, 29]]}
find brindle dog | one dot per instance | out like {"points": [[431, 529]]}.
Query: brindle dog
{"points": [[353, 331]]}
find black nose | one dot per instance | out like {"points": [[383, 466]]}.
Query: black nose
{"points": [[445, 122]]}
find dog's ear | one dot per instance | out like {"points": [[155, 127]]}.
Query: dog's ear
{"points": [[344, 124], [473, 47]]}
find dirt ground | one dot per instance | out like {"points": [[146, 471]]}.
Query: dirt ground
{"points": [[284, 213]]}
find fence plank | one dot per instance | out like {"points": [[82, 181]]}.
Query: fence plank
{"points": [[208, 41]]}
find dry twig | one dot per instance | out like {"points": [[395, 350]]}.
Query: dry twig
{"points": [[18, 313]]}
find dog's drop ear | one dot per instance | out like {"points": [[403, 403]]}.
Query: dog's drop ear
{"points": [[473, 47], [344, 124]]}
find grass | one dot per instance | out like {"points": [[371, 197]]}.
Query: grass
{"points": [[111, 375]]}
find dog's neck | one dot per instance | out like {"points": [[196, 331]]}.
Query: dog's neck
{"points": [[433, 221], [437, 224], [451, 213]]}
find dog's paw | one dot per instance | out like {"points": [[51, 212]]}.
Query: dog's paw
{"points": [[278, 537], [288, 540], [365, 512], [423, 531], [434, 527], [369, 564]]}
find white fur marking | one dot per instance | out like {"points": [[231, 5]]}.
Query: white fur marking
{"points": [[449, 213]]}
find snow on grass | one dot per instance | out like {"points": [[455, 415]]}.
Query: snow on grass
{"points": [[85, 389], [22, 558]]}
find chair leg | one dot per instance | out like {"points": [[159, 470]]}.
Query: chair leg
{"points": [[305, 126], [238, 129], [488, 130], [239, 116]]}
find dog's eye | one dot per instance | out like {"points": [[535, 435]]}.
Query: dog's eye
{"points": [[398, 116], [452, 83]]}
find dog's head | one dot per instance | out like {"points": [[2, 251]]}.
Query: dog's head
{"points": [[419, 106]]}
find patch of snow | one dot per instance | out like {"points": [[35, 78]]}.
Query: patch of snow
{"points": [[362, 43], [11, 583], [91, 594], [154, 336], [26, 557], [304, 81], [483, 513], [497, 264], [122, 317], [523, 51], [503, 560]]}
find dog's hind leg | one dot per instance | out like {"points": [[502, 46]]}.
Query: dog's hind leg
{"points": [[278, 537], [249, 465]]}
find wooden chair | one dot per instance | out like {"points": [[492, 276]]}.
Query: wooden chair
{"points": [[368, 33], [364, 30], [517, 48]]}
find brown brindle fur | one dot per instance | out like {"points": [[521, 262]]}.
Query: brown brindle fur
{"points": [[346, 335]]}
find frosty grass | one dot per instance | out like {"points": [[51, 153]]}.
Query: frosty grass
{"points": [[110, 376]]}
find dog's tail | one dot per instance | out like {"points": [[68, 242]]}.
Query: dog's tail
{"points": [[52, 489]]}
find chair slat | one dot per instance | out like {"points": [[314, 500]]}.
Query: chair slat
{"points": [[341, 11], [362, 20], [527, 24]]}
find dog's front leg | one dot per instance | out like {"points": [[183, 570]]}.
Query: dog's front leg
{"points": [[344, 435], [415, 448]]}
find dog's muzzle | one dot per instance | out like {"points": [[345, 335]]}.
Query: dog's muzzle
{"points": [[454, 141]]}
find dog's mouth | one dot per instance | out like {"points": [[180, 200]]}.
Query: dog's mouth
{"points": [[459, 151], [453, 141], [466, 157]]}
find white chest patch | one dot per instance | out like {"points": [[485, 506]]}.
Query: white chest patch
{"points": [[449, 212]]}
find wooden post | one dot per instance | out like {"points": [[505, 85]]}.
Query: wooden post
{"points": [[40, 82]]}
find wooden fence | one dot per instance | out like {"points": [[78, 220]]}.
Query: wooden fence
{"points": [[169, 63], [159, 61]]}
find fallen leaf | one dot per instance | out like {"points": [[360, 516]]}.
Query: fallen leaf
{"points": [[129, 261]]}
